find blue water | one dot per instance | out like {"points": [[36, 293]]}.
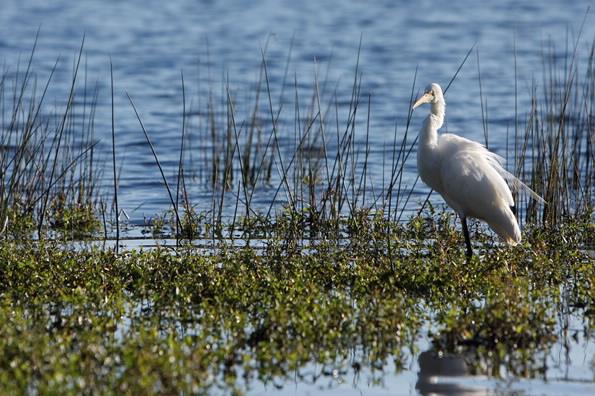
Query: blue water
{"points": [[152, 42]]}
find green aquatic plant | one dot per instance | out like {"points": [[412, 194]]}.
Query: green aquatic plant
{"points": [[185, 321], [18, 223], [76, 221]]}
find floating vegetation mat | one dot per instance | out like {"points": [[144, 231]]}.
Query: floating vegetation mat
{"points": [[178, 321]]}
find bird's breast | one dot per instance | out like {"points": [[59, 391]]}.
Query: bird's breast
{"points": [[428, 167]]}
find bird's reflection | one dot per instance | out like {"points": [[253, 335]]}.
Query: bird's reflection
{"points": [[442, 374]]}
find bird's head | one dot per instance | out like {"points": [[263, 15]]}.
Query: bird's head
{"points": [[432, 94]]}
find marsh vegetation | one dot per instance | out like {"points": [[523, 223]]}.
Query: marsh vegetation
{"points": [[333, 273]]}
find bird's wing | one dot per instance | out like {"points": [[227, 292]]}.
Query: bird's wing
{"points": [[470, 184], [451, 144]]}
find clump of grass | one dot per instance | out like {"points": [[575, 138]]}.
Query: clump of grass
{"points": [[76, 222], [557, 142], [157, 225], [193, 224], [47, 158]]}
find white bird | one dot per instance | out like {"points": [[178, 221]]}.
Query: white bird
{"points": [[470, 178]]}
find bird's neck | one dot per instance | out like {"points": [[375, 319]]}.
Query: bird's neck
{"points": [[428, 136], [438, 110]]}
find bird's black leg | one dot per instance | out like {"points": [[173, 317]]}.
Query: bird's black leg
{"points": [[466, 233]]}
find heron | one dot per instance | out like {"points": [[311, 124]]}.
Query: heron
{"points": [[470, 178]]}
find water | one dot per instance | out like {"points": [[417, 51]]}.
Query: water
{"points": [[429, 374], [151, 42]]}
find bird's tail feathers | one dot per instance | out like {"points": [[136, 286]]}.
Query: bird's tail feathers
{"points": [[515, 183]]}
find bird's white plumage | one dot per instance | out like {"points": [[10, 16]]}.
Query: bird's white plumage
{"points": [[470, 178]]}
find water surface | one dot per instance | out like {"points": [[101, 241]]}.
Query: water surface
{"points": [[152, 42]]}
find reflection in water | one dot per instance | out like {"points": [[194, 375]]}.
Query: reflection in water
{"points": [[441, 374]]}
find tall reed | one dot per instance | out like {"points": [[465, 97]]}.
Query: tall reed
{"points": [[49, 170], [307, 157]]}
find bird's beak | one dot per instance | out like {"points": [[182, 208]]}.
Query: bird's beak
{"points": [[425, 98]]}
